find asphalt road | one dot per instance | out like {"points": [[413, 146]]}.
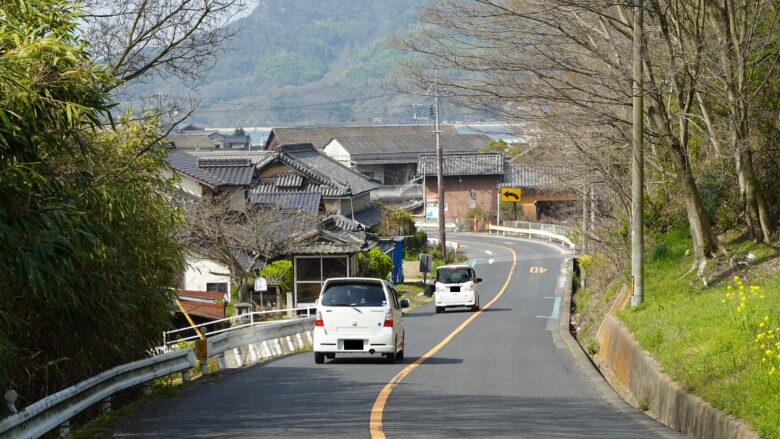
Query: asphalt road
{"points": [[505, 374]]}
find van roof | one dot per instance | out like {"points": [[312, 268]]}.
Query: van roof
{"points": [[455, 266]]}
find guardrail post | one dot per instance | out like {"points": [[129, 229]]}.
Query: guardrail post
{"points": [[10, 400], [185, 376], [278, 344], [252, 353], [266, 349], [310, 338], [239, 357], [204, 367], [64, 429], [146, 388], [221, 360], [290, 344], [105, 405], [300, 340]]}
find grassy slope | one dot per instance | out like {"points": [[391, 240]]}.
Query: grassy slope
{"points": [[702, 341]]}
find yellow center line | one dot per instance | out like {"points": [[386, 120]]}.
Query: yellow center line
{"points": [[377, 411]]}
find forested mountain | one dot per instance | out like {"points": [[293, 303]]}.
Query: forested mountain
{"points": [[291, 56]]}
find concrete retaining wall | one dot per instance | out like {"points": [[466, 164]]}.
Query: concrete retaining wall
{"points": [[266, 350], [636, 376]]}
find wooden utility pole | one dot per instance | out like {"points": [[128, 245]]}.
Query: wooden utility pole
{"points": [[637, 166]]}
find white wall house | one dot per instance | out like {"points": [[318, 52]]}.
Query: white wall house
{"points": [[185, 183], [204, 274]]}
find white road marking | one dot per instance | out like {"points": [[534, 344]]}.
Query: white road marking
{"points": [[489, 252]]}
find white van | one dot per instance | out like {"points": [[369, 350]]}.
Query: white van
{"points": [[359, 316], [456, 285]]}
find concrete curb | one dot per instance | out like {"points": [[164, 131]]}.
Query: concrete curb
{"points": [[591, 373], [637, 376]]}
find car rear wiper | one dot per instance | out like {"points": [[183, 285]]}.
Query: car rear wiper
{"points": [[347, 304]]}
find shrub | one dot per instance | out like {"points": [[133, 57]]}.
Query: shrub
{"points": [[375, 264], [279, 273]]}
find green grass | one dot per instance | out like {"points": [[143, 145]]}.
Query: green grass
{"points": [[702, 341], [410, 291]]}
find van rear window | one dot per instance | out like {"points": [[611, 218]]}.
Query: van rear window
{"points": [[453, 275], [354, 294]]}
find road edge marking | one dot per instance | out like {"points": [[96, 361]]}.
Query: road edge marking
{"points": [[378, 409]]}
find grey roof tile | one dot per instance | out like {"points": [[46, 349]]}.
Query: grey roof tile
{"points": [[289, 180], [532, 175], [333, 173], [308, 202], [320, 137], [368, 217], [255, 157], [187, 164], [463, 164], [405, 148], [232, 175]]}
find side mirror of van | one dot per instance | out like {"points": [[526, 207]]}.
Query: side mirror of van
{"points": [[404, 303], [479, 279]]}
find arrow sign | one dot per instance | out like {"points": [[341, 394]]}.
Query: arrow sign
{"points": [[510, 194]]}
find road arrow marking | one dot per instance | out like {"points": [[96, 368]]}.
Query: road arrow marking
{"points": [[537, 270]]}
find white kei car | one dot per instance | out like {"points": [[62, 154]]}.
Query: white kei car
{"points": [[359, 316], [456, 285]]}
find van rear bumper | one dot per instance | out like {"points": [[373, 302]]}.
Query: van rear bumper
{"points": [[383, 343], [445, 301]]}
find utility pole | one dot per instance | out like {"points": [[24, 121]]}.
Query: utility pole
{"points": [[439, 169], [637, 166]]}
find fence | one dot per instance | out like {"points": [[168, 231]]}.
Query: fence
{"points": [[248, 341], [235, 322], [532, 234], [553, 228]]}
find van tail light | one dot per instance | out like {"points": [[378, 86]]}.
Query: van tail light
{"points": [[389, 319], [318, 320]]}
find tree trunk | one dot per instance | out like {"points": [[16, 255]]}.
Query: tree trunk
{"points": [[705, 244], [754, 205]]}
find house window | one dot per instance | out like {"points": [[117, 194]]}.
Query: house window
{"points": [[311, 272], [218, 287]]}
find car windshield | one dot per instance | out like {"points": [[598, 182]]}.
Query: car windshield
{"points": [[453, 275], [354, 294]]}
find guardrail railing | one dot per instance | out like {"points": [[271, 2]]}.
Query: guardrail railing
{"points": [[56, 410], [532, 234], [250, 341], [554, 228], [449, 227], [236, 322]]}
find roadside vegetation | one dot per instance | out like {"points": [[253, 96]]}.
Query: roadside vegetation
{"points": [[723, 342], [712, 180]]}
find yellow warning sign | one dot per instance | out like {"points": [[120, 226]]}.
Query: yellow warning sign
{"points": [[510, 194], [537, 270]]}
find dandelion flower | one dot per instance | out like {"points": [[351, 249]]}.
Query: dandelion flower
{"points": [[761, 325], [736, 278]]}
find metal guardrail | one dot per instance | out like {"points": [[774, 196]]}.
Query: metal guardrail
{"points": [[449, 227], [56, 410], [239, 321], [532, 234], [553, 228], [247, 336]]}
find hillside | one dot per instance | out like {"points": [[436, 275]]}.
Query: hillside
{"points": [[291, 56]]}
